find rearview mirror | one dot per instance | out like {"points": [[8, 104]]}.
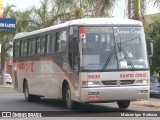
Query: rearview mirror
{"points": [[150, 47]]}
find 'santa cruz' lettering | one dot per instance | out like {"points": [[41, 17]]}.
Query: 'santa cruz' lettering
{"points": [[141, 75], [126, 75], [133, 75]]}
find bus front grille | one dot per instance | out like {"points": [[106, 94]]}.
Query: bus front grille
{"points": [[118, 82]]}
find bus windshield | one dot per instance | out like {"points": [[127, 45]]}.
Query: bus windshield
{"points": [[106, 48]]}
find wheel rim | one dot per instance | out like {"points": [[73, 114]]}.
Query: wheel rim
{"points": [[68, 98], [26, 92]]}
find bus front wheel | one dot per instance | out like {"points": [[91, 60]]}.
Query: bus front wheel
{"points": [[123, 103], [68, 101]]}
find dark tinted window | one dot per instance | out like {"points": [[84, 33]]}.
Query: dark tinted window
{"points": [[50, 43], [24, 48], [40, 45], [16, 49], [32, 47], [61, 41]]}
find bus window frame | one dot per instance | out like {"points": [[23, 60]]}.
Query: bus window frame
{"points": [[21, 51], [39, 37], [31, 39], [14, 50], [48, 46], [56, 40]]}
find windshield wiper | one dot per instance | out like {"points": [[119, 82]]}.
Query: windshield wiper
{"points": [[125, 55], [109, 57], [124, 52]]}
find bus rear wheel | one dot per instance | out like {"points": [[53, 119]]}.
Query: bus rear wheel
{"points": [[29, 97], [69, 103], [123, 103]]}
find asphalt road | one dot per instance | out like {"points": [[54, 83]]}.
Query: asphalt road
{"points": [[10, 100]]}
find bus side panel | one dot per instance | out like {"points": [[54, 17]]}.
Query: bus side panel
{"points": [[18, 84], [45, 78]]}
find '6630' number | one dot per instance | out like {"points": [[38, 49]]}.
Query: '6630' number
{"points": [[93, 76]]}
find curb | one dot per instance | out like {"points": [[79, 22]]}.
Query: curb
{"points": [[7, 86], [147, 104]]}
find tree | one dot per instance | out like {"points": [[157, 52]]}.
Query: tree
{"points": [[136, 9], [101, 8], [5, 41], [49, 13], [23, 20], [41, 15], [75, 9], [153, 31], [156, 3]]}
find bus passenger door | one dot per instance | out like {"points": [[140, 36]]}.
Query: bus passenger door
{"points": [[73, 53]]}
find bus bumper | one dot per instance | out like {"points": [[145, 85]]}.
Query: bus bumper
{"points": [[104, 94]]}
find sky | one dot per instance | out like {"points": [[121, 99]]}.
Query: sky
{"points": [[118, 11]]}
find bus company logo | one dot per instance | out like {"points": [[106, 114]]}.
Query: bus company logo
{"points": [[25, 67], [6, 114], [118, 82]]}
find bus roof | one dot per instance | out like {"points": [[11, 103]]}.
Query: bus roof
{"points": [[83, 21]]}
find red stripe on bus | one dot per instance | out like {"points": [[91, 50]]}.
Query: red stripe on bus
{"points": [[63, 71]]}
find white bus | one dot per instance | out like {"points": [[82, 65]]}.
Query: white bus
{"points": [[84, 60]]}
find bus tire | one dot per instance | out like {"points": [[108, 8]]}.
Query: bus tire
{"points": [[123, 103], [69, 103], [29, 97]]}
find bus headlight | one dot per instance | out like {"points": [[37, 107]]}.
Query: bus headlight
{"points": [[90, 83], [142, 81]]}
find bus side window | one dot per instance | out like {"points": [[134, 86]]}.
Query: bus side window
{"points": [[61, 41], [75, 52], [23, 48], [70, 47], [32, 46], [40, 45], [50, 43], [16, 49]]}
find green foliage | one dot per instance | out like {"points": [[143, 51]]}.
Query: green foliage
{"points": [[50, 12], [8, 56], [153, 32]]}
